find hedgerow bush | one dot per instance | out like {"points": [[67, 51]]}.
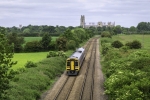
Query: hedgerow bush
{"points": [[106, 34], [117, 44], [56, 54], [134, 44], [34, 46], [30, 64]]}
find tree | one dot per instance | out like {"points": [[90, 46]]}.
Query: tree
{"points": [[117, 29], [61, 43], [26, 31], [142, 26], [46, 40], [106, 34], [34, 46], [6, 54], [132, 29], [17, 41]]}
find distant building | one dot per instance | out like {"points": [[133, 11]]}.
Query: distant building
{"points": [[99, 24]]}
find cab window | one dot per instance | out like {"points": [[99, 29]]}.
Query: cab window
{"points": [[76, 63], [68, 63]]}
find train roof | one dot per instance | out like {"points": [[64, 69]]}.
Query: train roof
{"points": [[77, 53]]}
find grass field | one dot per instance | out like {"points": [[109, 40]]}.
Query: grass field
{"points": [[22, 58], [144, 39]]}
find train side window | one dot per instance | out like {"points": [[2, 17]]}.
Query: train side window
{"points": [[76, 63], [68, 63]]}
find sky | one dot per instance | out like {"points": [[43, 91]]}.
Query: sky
{"points": [[126, 13]]}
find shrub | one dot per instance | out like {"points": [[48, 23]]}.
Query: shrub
{"points": [[141, 63], [105, 49], [134, 44], [128, 44], [106, 34], [117, 44], [33, 46], [71, 44], [124, 49], [30, 64], [52, 45], [55, 54], [61, 43]]}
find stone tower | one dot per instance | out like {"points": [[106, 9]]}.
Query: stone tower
{"points": [[82, 21]]}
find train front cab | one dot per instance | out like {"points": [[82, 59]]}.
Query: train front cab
{"points": [[72, 66]]}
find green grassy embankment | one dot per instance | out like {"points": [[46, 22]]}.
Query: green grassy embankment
{"points": [[126, 70]]}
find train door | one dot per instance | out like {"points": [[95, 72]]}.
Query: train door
{"points": [[72, 65]]}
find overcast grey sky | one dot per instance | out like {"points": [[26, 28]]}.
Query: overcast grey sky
{"points": [[67, 12]]}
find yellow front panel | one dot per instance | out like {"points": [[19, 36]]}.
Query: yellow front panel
{"points": [[72, 65]]}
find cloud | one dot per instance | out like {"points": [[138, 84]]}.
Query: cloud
{"points": [[67, 12]]}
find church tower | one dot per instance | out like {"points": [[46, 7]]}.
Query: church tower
{"points": [[82, 21]]}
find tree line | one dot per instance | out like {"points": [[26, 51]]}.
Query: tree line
{"points": [[35, 30], [70, 37], [141, 28]]}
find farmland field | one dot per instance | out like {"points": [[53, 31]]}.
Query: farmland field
{"points": [[22, 58], [144, 39]]}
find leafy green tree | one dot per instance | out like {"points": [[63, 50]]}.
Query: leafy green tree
{"points": [[34, 46], [6, 54], [67, 34], [26, 31], [132, 29], [99, 30], [17, 41], [117, 29], [61, 43], [106, 34], [46, 40], [142, 26], [71, 44], [125, 30]]}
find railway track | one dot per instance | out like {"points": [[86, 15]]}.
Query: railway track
{"points": [[88, 83], [68, 83], [78, 87]]}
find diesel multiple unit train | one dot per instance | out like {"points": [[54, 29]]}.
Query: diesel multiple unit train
{"points": [[74, 62]]}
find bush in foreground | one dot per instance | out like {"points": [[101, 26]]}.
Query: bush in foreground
{"points": [[30, 64], [30, 84], [117, 44]]}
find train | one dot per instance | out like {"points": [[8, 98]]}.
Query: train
{"points": [[75, 61]]}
